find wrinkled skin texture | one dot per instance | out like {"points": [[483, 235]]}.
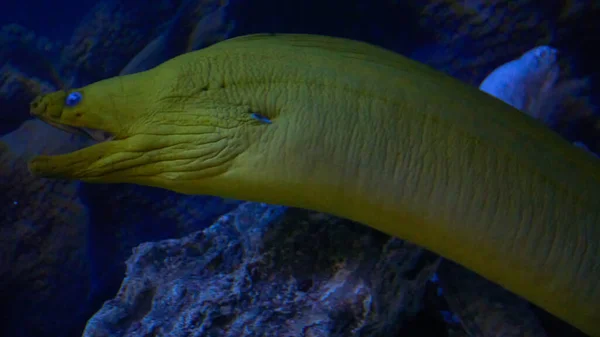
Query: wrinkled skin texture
{"points": [[378, 139], [140, 150]]}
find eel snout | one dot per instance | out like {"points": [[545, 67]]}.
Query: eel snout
{"points": [[45, 105], [48, 109]]}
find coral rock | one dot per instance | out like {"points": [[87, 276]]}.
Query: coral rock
{"points": [[264, 271]]}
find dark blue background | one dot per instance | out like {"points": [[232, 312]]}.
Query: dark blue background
{"points": [[46, 18]]}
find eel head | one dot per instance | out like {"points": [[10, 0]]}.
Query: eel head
{"points": [[146, 136]]}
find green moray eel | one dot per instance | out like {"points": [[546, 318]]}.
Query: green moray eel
{"points": [[357, 131]]}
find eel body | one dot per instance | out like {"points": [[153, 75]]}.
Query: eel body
{"points": [[354, 130]]}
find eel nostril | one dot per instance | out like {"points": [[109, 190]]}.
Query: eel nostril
{"points": [[36, 106], [36, 102]]}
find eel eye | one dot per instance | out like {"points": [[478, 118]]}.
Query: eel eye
{"points": [[73, 99]]}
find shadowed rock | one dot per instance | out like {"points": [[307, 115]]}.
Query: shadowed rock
{"points": [[44, 274], [264, 271]]}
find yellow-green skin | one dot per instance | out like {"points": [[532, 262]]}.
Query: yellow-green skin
{"points": [[362, 133]]}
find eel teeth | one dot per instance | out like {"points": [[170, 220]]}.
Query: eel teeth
{"points": [[97, 135]]}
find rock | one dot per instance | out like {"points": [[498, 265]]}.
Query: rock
{"points": [[265, 271], [535, 84], [484, 308], [123, 216], [470, 38], [525, 80], [44, 274], [16, 91], [195, 25], [112, 33], [26, 70]]}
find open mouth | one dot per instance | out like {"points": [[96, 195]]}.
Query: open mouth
{"points": [[97, 135], [49, 107]]}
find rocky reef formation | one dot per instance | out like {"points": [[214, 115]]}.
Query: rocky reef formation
{"points": [[264, 271], [26, 70], [44, 271]]}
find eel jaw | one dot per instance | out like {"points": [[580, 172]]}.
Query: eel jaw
{"points": [[95, 134], [87, 164], [49, 109], [77, 164]]}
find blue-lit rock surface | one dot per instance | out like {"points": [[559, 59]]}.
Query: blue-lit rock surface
{"points": [[269, 271]]}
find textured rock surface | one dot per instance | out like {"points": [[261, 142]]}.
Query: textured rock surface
{"points": [[123, 216], [473, 37], [535, 84], [524, 81], [110, 35], [26, 70], [17, 89], [194, 25], [128, 36], [265, 271], [44, 273], [484, 308]]}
